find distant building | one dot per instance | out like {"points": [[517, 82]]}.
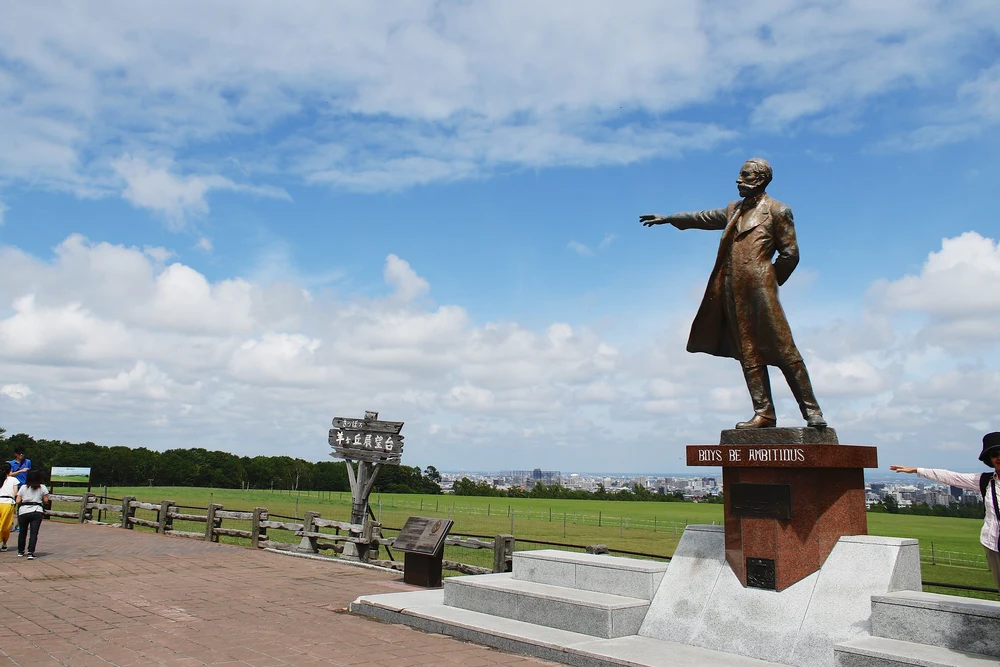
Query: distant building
{"points": [[527, 479]]}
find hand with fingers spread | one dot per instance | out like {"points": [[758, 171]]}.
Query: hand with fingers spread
{"points": [[650, 219]]}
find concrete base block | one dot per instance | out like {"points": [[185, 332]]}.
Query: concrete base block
{"points": [[882, 652], [962, 624], [701, 602], [426, 611], [590, 572], [585, 612]]}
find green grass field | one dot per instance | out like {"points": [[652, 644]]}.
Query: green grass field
{"points": [[645, 527]]}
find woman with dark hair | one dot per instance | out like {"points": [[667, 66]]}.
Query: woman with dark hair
{"points": [[30, 512], [988, 484]]}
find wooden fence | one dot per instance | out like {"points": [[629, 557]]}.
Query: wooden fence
{"points": [[314, 539]]}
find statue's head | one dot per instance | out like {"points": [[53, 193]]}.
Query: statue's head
{"points": [[754, 176]]}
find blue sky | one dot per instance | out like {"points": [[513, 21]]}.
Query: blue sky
{"points": [[223, 226]]}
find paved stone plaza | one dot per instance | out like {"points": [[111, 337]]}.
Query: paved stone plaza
{"points": [[99, 595]]}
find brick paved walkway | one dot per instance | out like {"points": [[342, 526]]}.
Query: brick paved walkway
{"points": [[99, 595]]}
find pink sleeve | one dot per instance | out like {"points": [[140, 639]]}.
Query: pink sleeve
{"points": [[963, 480]]}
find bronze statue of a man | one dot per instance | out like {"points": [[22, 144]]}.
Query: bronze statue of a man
{"points": [[740, 316]]}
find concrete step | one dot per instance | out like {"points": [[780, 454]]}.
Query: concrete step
{"points": [[426, 611], [586, 612], [949, 621], [590, 572], [882, 652]]}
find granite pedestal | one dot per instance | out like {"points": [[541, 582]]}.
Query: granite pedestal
{"points": [[790, 494], [700, 601]]}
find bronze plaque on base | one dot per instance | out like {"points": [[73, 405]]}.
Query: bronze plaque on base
{"points": [[422, 535], [762, 501], [760, 573]]}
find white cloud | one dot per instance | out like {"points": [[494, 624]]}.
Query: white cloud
{"points": [[955, 289], [850, 376], [365, 99], [583, 250], [157, 254], [63, 334], [204, 244], [177, 198], [405, 281], [143, 380], [163, 342], [3, 210], [279, 358], [975, 110], [111, 341], [16, 391]]}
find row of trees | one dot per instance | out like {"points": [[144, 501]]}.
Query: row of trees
{"points": [[126, 466], [467, 487], [963, 510]]}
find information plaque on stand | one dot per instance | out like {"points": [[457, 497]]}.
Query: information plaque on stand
{"points": [[422, 542]]}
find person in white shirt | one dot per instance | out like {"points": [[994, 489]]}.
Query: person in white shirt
{"points": [[8, 496], [988, 484], [30, 512]]}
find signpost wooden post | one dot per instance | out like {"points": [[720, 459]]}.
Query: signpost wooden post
{"points": [[371, 443]]}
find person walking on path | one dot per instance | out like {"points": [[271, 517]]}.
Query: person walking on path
{"points": [[987, 484], [8, 497], [19, 466], [30, 512]]}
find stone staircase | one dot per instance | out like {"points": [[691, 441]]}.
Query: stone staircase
{"points": [[601, 611], [600, 596], [926, 629]]}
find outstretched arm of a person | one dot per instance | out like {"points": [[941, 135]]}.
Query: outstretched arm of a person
{"points": [[963, 480]]}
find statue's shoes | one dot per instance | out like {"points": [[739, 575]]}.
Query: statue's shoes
{"points": [[816, 420], [758, 422]]}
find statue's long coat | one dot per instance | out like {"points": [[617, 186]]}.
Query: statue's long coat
{"points": [[740, 316]]}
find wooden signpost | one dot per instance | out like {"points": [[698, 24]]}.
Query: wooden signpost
{"points": [[372, 443]]}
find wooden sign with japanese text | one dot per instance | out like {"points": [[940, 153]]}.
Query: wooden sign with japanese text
{"points": [[369, 439]]}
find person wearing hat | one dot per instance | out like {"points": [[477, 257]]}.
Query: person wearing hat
{"points": [[988, 484]]}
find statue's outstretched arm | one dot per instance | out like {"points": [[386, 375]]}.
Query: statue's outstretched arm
{"points": [[713, 219]]}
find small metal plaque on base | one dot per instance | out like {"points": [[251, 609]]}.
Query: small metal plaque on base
{"points": [[760, 573], [761, 501]]}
